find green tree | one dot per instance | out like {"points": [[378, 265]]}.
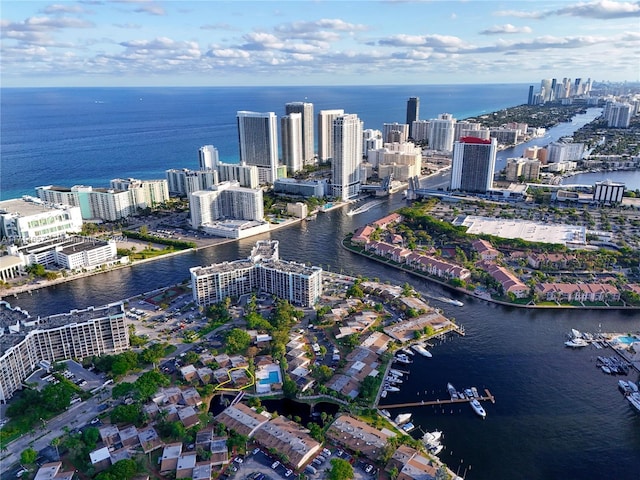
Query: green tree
{"points": [[322, 374], [28, 456], [340, 470], [237, 341]]}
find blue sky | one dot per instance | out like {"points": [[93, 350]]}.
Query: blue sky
{"points": [[300, 42]]}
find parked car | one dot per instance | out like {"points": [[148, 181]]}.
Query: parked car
{"points": [[255, 451], [275, 464], [288, 472], [368, 468]]}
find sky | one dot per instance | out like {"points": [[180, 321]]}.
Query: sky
{"points": [[321, 42]]}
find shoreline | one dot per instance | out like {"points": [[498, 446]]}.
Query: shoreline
{"points": [[29, 288], [488, 298]]}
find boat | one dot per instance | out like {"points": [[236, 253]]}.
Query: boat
{"points": [[383, 394], [402, 418], [576, 333], [634, 400], [475, 392], [468, 393], [452, 391], [624, 386], [386, 413], [435, 449], [632, 386], [475, 404], [408, 427], [391, 388], [403, 359], [421, 350], [432, 438], [395, 372], [408, 351], [605, 369], [451, 301], [392, 379], [576, 343]]}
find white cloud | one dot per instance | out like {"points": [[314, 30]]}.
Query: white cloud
{"points": [[507, 28]]}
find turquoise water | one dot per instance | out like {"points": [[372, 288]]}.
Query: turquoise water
{"points": [[627, 339], [274, 377]]}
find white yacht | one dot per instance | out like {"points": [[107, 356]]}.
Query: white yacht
{"points": [[432, 438], [634, 400], [402, 418], [421, 350], [452, 391], [576, 343], [475, 404]]}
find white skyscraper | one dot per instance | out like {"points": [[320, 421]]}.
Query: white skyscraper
{"points": [[291, 134], [308, 144], [347, 156], [208, 157], [325, 133], [258, 140], [474, 161], [441, 132]]}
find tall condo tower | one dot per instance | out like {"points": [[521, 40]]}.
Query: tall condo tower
{"points": [[441, 132], [413, 112], [347, 156], [325, 133], [308, 144], [474, 160], [208, 157], [258, 140], [291, 141]]}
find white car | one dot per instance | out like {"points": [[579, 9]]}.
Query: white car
{"points": [[368, 468], [288, 473], [238, 460], [275, 464]]}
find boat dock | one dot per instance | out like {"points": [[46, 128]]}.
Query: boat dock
{"points": [[487, 397]]}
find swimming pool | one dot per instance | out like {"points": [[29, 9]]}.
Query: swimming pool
{"points": [[627, 339], [274, 377]]}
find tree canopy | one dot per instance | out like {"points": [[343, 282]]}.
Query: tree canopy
{"points": [[340, 470]]}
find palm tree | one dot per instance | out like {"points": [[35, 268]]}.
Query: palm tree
{"points": [[54, 443]]}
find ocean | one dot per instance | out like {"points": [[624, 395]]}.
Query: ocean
{"points": [[556, 415], [87, 136]]}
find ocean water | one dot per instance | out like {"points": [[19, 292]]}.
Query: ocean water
{"points": [[73, 136]]}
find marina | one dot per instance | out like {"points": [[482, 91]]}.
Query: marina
{"points": [[486, 397]]}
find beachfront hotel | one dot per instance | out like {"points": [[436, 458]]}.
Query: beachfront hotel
{"points": [[308, 143], [347, 156], [473, 164], [295, 282], [27, 343], [258, 139]]}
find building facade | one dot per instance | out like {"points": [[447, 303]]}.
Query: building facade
{"points": [[305, 109], [184, 182], [208, 157], [441, 132], [473, 164], [75, 335], [258, 140], [225, 200], [325, 134], [608, 192], [345, 167], [291, 142], [149, 193], [413, 113]]}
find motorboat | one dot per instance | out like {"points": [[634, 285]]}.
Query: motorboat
{"points": [[605, 369], [634, 400], [383, 394], [435, 449], [450, 301], [475, 404], [468, 393], [421, 350], [408, 351], [432, 438], [624, 386], [402, 358], [396, 373], [632, 386], [402, 418], [475, 392], [452, 391], [408, 427], [576, 343], [392, 379], [386, 413], [576, 333], [391, 388]]}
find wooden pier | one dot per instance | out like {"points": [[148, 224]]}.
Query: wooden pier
{"points": [[487, 397]]}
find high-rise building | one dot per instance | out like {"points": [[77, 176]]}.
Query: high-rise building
{"points": [[608, 192], [308, 144], [258, 140], [395, 132], [564, 150], [208, 157], [291, 141], [546, 90], [345, 167], [618, 115], [420, 130], [473, 164], [530, 100], [146, 192], [225, 200], [371, 140], [184, 182], [325, 133], [413, 113], [441, 132]]}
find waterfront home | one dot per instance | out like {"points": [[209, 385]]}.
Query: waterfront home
{"points": [[580, 292], [358, 436], [509, 282], [361, 236], [555, 261], [288, 438], [485, 250], [412, 465], [384, 222], [437, 267]]}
